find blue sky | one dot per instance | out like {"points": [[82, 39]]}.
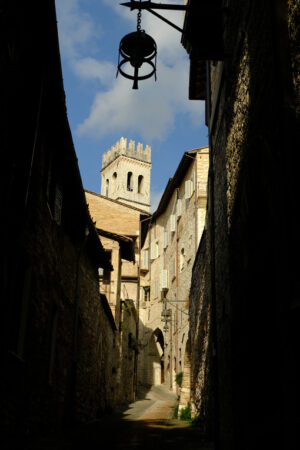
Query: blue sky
{"points": [[102, 108]]}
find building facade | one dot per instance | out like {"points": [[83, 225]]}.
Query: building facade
{"points": [[170, 241]]}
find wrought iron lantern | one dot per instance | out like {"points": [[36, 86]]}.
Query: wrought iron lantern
{"points": [[137, 48]]}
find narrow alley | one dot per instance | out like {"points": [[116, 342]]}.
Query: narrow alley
{"points": [[149, 266], [146, 423]]}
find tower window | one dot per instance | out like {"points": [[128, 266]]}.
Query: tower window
{"points": [[107, 188], [129, 181], [114, 181], [140, 184]]}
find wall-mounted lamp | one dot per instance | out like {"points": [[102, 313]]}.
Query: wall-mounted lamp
{"points": [[138, 47]]}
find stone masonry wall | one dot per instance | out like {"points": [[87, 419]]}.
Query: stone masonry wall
{"points": [[253, 128]]}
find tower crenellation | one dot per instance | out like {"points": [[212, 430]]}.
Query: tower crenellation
{"points": [[125, 173], [131, 151]]}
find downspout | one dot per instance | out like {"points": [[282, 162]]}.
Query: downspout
{"points": [[212, 267]]}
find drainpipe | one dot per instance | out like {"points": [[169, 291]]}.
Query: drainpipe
{"points": [[213, 266]]}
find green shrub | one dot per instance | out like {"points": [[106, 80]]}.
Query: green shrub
{"points": [[185, 413], [175, 411], [178, 378]]}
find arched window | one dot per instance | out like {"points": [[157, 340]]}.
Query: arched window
{"points": [[107, 188], [114, 182], [129, 181], [140, 184]]}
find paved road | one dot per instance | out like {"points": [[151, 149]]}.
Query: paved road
{"points": [[146, 424]]}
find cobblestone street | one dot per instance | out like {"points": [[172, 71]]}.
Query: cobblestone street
{"points": [[146, 424]]}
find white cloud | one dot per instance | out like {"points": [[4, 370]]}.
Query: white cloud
{"points": [[76, 28], [89, 68]]}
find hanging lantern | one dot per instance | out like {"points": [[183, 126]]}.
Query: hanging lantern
{"points": [[137, 48]]}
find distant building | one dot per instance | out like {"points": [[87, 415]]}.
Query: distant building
{"points": [[126, 174], [117, 213], [170, 239]]}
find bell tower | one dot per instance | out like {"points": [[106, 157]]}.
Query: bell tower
{"points": [[125, 174]]}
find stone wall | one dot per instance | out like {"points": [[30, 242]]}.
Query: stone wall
{"points": [[254, 129], [200, 340], [57, 333]]}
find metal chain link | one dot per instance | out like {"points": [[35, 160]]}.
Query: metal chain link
{"points": [[139, 20]]}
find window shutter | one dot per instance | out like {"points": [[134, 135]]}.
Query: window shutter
{"points": [[172, 223], [179, 208], [157, 249], [188, 189], [152, 250], [165, 238], [146, 258], [164, 279]]}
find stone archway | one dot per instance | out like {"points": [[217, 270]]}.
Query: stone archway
{"points": [[156, 374]]}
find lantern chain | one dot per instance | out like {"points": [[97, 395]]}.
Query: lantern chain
{"points": [[139, 19]]}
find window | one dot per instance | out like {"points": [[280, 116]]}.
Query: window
{"points": [[104, 274], [107, 188], [114, 182], [129, 182], [140, 184]]}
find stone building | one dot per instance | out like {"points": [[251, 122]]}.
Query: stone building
{"points": [[57, 332], [245, 306], [125, 174], [117, 216], [170, 239]]}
